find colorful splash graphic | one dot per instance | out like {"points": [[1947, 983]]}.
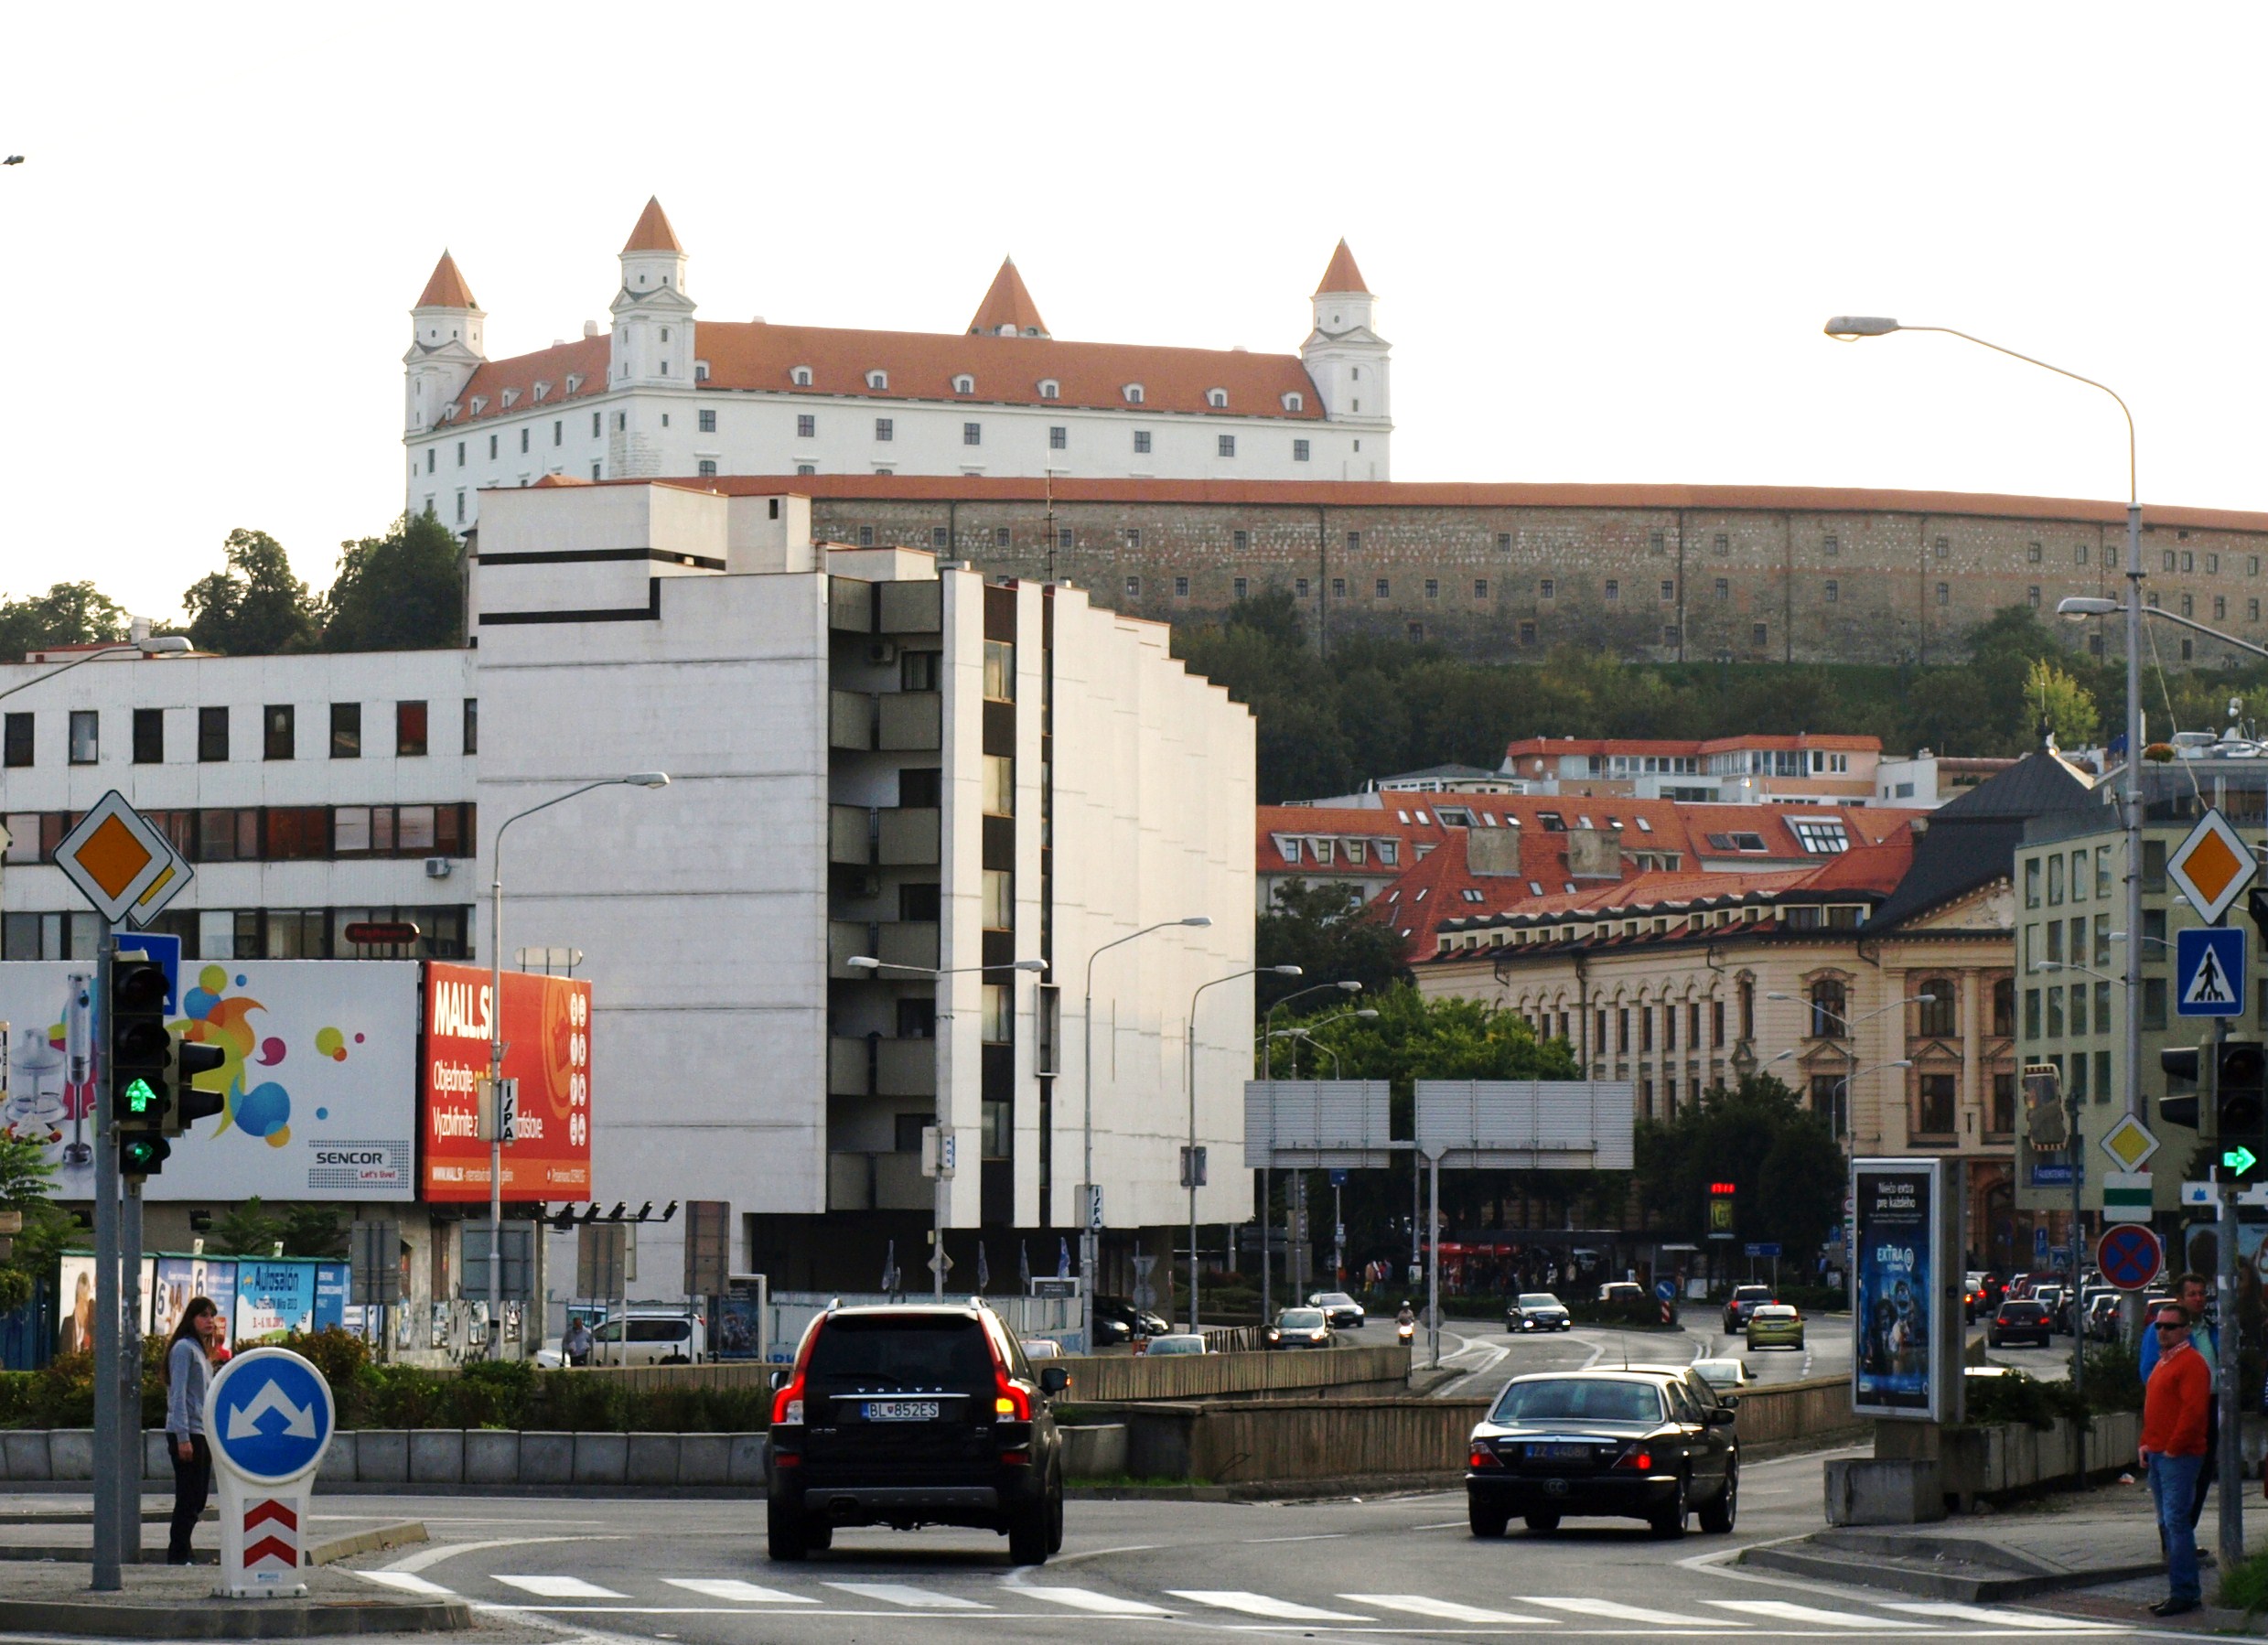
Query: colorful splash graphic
{"points": [[219, 1020]]}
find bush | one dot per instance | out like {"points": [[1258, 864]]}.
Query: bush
{"points": [[2017, 1398], [2246, 1587], [2114, 1377], [1630, 1314]]}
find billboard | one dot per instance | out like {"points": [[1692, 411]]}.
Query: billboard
{"points": [[320, 1078], [547, 1047], [1895, 1368]]}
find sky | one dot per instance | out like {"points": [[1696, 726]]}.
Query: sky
{"points": [[1604, 237]]}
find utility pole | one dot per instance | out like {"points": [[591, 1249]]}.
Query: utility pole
{"points": [[109, 1466], [2228, 1356]]}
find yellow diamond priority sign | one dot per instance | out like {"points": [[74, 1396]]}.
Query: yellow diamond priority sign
{"points": [[121, 862], [2212, 866]]}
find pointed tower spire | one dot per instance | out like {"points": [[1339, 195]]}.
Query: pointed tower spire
{"points": [[1007, 309], [447, 288], [1342, 276], [653, 233]]}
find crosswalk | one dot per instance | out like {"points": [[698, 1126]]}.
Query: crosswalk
{"points": [[1028, 1596]]}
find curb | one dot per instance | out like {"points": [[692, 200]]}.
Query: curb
{"points": [[400, 1534], [244, 1619], [1823, 1566], [1266, 1491]]}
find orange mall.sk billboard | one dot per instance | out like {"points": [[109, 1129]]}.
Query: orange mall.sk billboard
{"points": [[547, 1047]]}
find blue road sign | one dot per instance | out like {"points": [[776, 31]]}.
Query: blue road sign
{"points": [[2208, 971], [268, 1415], [163, 951], [1763, 1248], [1666, 1289], [2039, 1241], [2129, 1255], [1339, 1179]]}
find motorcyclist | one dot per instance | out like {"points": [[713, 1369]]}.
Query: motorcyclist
{"points": [[1406, 1322]]}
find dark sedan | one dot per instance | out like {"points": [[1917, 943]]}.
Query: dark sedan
{"points": [[1537, 1311], [1299, 1327], [1648, 1445], [2017, 1320]]}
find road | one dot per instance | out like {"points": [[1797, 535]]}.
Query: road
{"points": [[1490, 1357], [1402, 1568]]}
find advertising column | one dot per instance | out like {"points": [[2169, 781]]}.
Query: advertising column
{"points": [[1897, 1365]]}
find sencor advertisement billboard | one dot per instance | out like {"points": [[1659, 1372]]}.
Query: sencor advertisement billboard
{"points": [[319, 1078], [546, 1030]]}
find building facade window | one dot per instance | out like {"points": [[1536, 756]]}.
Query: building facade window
{"points": [[1938, 1017], [86, 736], [346, 730], [18, 740], [1827, 1009], [1142, 442], [1227, 445], [1299, 451], [408, 730], [149, 737], [212, 735], [472, 725], [1933, 1104], [1059, 436], [972, 433], [806, 425], [886, 429], [707, 422], [277, 732]]}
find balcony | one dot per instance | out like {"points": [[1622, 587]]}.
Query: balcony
{"points": [[878, 1182], [850, 834], [909, 836], [850, 719], [913, 607], [896, 942], [911, 722], [849, 605], [881, 1067]]}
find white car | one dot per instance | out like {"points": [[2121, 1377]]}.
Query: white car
{"points": [[658, 1336], [1042, 1348], [1180, 1342], [1727, 1376]]}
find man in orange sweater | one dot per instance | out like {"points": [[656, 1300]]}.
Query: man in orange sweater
{"points": [[2173, 1407]]}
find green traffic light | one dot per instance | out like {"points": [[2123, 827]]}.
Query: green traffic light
{"points": [[140, 1098], [144, 1155], [2240, 1159]]}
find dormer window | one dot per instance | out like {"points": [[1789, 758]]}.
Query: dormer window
{"points": [[448, 411], [1050, 389], [575, 382], [542, 389], [965, 384], [509, 396], [878, 380], [1216, 398], [800, 376], [701, 370], [1294, 401], [1133, 392], [480, 403]]}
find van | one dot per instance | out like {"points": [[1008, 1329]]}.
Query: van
{"points": [[658, 1336]]}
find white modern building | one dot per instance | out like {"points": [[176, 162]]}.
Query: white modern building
{"points": [[664, 391], [871, 755]]}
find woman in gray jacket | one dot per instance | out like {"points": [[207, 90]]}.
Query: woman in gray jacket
{"points": [[188, 1365]]}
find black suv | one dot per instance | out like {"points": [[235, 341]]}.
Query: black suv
{"points": [[906, 1416]]}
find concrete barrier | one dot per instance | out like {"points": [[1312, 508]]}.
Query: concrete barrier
{"points": [[71, 1452], [602, 1458], [491, 1456], [27, 1452], [704, 1458], [1782, 1411], [1865, 1490], [382, 1456], [546, 1459], [438, 1456], [1095, 1451], [651, 1460]]}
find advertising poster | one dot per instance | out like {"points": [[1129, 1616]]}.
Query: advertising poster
{"points": [[332, 1282], [181, 1279], [1893, 1362], [74, 1322], [739, 1326], [547, 1033], [320, 1078], [273, 1299]]}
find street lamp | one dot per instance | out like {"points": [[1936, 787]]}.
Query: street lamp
{"points": [[1188, 1160], [1090, 1212], [156, 645], [1848, 329], [1267, 1186], [944, 1124], [1843, 1096], [1850, 1057], [2079, 607], [636, 779]]}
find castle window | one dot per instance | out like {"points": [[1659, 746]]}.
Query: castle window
{"points": [[972, 433], [1417, 637], [1142, 442], [2032, 553], [1831, 546], [1614, 588], [542, 390], [596, 471], [1299, 451], [1760, 634], [806, 426], [492, 446], [1944, 548], [1724, 544], [1433, 588], [559, 431], [429, 459], [800, 376], [460, 454], [621, 421], [1668, 591], [1216, 398], [665, 368], [939, 537], [1000, 536], [1181, 588], [1831, 590], [1134, 536], [708, 468], [1338, 588], [1241, 540], [1133, 588], [480, 403], [665, 330], [1527, 633], [1723, 588], [1384, 588], [1293, 402], [1354, 543], [806, 469], [885, 428], [1133, 392], [866, 536], [523, 439], [878, 380], [2031, 595], [1050, 389], [1945, 593], [1480, 588], [460, 507], [2078, 556], [1300, 591], [1059, 437], [1242, 588], [699, 374], [1227, 445], [1546, 589], [965, 384], [708, 422], [595, 426]]}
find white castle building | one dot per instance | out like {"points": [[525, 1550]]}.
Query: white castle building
{"points": [[665, 394]]}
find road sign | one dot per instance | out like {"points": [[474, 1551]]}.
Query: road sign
{"points": [[1762, 1248], [2212, 866], [1094, 1206], [2129, 1142], [2208, 971], [165, 953], [120, 861], [268, 1418], [2129, 1255], [2039, 1243], [1339, 1179], [2126, 1195], [1666, 1289]]}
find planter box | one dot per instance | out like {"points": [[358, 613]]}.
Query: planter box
{"points": [[438, 1456], [71, 1452], [382, 1456], [546, 1459], [653, 1460], [491, 1456]]}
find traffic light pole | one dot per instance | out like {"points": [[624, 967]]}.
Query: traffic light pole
{"points": [[129, 1373], [109, 1473], [2228, 1357]]}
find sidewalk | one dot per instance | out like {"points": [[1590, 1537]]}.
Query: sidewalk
{"points": [[2085, 1555]]}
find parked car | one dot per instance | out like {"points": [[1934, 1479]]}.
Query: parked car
{"points": [[914, 1415], [1118, 1320], [1299, 1327], [1537, 1311], [658, 1336], [1728, 1375], [1744, 1301], [1775, 1324], [1654, 1445], [1972, 1294], [1622, 1290], [1177, 1342], [1343, 1311], [2102, 1316], [2019, 1320], [1042, 1348]]}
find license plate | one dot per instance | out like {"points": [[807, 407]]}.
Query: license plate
{"points": [[899, 1410], [1554, 1451]]}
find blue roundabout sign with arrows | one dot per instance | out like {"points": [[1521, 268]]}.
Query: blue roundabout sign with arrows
{"points": [[268, 1416]]}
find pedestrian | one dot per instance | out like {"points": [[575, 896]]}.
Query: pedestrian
{"points": [[2191, 1290], [2172, 1448], [188, 1366], [578, 1345]]}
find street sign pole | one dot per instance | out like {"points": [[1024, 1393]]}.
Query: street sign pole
{"points": [[109, 1472], [2230, 1463], [129, 1317]]}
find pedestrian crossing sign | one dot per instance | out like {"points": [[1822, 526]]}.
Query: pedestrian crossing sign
{"points": [[2209, 971]]}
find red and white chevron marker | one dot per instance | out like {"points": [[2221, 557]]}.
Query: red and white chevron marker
{"points": [[279, 1546]]}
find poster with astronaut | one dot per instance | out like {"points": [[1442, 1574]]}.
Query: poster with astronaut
{"points": [[1893, 1367]]}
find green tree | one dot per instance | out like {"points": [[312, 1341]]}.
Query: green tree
{"points": [[254, 609], [1786, 1165], [248, 1229], [403, 591], [1329, 932], [67, 614], [26, 1178], [2060, 702], [314, 1230]]}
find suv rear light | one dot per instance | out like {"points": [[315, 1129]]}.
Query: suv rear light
{"points": [[788, 1403]]}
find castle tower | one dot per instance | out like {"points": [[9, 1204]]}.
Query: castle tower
{"points": [[446, 346], [1007, 309], [1345, 357], [653, 325]]}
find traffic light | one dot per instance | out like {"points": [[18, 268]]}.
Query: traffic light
{"points": [[188, 1063], [140, 1050], [2243, 1104], [2180, 1062]]}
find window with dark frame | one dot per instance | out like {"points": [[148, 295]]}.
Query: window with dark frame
{"points": [[346, 730], [276, 737], [86, 736], [19, 740], [149, 737], [408, 730]]}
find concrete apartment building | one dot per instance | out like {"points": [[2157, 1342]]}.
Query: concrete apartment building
{"points": [[1807, 768], [871, 755]]}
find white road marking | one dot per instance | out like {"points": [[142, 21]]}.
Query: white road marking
{"points": [[403, 1582], [1782, 1610], [1261, 1605], [1087, 1599], [1312, 1536], [559, 1587], [732, 1587], [898, 1593], [1614, 1610], [1978, 1613], [1418, 1605], [425, 1557]]}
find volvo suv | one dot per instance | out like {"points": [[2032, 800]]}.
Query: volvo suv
{"points": [[915, 1416]]}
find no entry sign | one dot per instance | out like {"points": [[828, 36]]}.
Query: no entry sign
{"points": [[2129, 1255]]}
